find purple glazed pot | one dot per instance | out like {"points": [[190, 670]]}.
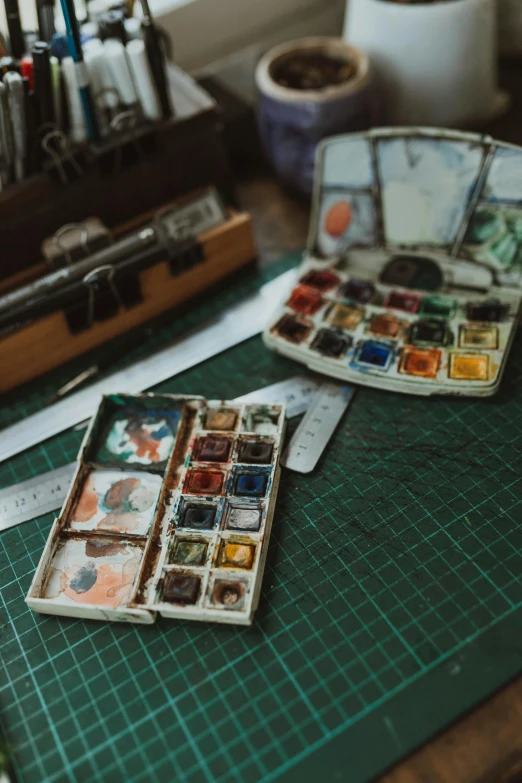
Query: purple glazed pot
{"points": [[292, 122]]}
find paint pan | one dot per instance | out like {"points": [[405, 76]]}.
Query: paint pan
{"points": [[262, 419], [170, 511], [243, 515], [229, 594]]}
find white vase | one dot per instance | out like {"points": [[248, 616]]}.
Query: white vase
{"points": [[436, 62]]}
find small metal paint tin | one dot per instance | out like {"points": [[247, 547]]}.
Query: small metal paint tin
{"points": [[412, 277], [148, 527]]}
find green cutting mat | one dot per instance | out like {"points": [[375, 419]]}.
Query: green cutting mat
{"points": [[391, 603]]}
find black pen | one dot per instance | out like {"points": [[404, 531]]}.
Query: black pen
{"points": [[157, 60], [6, 138], [14, 24], [45, 13], [43, 84], [31, 129], [111, 24]]}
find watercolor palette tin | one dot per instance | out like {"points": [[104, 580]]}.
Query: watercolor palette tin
{"points": [[412, 277], [170, 511]]}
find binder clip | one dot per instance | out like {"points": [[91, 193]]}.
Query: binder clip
{"points": [[62, 163], [105, 295], [127, 145], [74, 241], [184, 250], [107, 107]]}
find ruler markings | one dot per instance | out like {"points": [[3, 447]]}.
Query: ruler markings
{"points": [[317, 427]]}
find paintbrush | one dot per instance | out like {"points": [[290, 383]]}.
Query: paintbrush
{"points": [[131, 340], [106, 360], [156, 58]]}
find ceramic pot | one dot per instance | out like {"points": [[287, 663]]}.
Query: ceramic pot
{"points": [[436, 62], [292, 121]]}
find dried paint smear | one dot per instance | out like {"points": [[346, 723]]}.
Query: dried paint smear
{"points": [[100, 572], [117, 502], [143, 440]]}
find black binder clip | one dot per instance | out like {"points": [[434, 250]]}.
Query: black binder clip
{"points": [[107, 107], [183, 248], [128, 144], [62, 163], [74, 241], [104, 297]]}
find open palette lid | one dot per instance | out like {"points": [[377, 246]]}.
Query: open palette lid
{"points": [[456, 195]]}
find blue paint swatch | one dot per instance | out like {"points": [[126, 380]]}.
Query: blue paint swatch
{"points": [[376, 354], [251, 485], [84, 578]]}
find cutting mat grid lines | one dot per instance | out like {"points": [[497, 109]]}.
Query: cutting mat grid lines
{"points": [[387, 566]]}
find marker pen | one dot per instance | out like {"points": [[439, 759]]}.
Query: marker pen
{"points": [[77, 125], [120, 70], [144, 80], [45, 13], [156, 59], [14, 24], [43, 86], [27, 69]]}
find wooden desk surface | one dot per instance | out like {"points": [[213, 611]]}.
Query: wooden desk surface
{"points": [[486, 745]]}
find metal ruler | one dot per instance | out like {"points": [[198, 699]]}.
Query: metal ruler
{"points": [[317, 427], [231, 327], [37, 496], [296, 393]]}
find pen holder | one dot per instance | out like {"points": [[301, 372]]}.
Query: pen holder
{"points": [[139, 170]]}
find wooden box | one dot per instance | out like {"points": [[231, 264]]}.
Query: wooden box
{"points": [[48, 342]]}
